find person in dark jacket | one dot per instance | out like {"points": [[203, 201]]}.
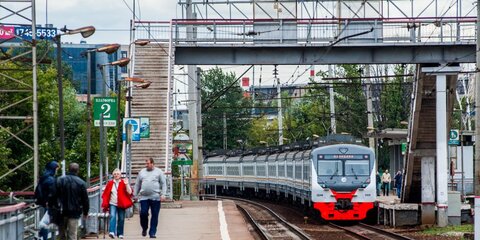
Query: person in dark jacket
{"points": [[379, 183], [72, 197], [398, 183], [47, 182]]}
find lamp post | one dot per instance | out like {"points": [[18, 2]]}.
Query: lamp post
{"points": [[122, 63], [108, 49], [86, 32], [140, 84]]}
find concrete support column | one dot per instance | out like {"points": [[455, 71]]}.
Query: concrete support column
{"points": [[441, 138], [442, 154], [428, 190]]}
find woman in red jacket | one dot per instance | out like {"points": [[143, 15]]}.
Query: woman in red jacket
{"points": [[117, 197]]}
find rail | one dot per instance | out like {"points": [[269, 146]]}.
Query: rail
{"points": [[367, 232], [310, 31], [269, 228]]}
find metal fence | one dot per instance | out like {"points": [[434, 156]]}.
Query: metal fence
{"points": [[310, 31], [194, 188], [20, 218], [12, 221]]}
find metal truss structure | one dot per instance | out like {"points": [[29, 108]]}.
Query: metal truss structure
{"points": [[14, 13], [311, 9]]}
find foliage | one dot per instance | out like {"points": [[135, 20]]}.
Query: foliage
{"points": [[218, 99], [12, 152], [466, 228]]}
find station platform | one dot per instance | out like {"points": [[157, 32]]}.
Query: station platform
{"points": [[195, 220]]}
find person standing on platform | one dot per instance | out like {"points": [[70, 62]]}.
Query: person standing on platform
{"points": [[150, 188], [386, 179], [72, 199], [379, 183], [398, 182], [43, 193], [117, 197]]}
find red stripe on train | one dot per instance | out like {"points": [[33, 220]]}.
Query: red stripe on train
{"points": [[358, 210]]}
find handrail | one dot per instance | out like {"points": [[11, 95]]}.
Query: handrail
{"points": [[12, 208]]}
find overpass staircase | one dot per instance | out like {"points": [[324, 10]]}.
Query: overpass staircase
{"points": [[422, 130], [151, 64]]}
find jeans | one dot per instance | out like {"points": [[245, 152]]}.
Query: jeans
{"points": [[43, 233], [379, 186], [399, 190], [114, 212], [68, 228], [154, 205], [386, 188]]}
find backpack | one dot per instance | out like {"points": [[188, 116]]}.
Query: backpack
{"points": [[39, 196]]}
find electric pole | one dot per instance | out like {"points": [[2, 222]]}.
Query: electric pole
{"points": [[476, 182], [333, 124], [279, 101]]}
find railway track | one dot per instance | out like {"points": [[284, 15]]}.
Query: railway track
{"points": [[367, 232], [266, 222]]}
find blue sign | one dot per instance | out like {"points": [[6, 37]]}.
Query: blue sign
{"points": [[135, 126], [42, 33]]}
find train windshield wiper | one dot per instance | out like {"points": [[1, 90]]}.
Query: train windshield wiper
{"points": [[335, 173], [353, 171]]}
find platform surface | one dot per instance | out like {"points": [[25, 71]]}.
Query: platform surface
{"points": [[194, 220]]}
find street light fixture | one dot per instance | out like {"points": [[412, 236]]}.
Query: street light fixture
{"points": [[108, 49], [85, 32], [143, 84]]}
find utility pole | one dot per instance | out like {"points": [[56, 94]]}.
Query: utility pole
{"points": [[370, 128], [194, 105], [476, 182], [224, 131], [333, 124], [279, 101]]}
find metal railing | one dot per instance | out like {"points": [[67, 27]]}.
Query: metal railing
{"points": [[311, 31], [21, 217], [12, 221], [194, 188]]}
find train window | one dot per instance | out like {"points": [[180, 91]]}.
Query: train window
{"points": [[248, 170], [357, 167], [233, 171], [329, 168], [261, 170]]}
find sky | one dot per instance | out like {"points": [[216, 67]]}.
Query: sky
{"points": [[111, 18]]}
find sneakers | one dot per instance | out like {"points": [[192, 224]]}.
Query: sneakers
{"points": [[111, 235], [144, 233], [120, 236], [153, 236]]}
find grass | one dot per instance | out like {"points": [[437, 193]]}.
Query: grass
{"points": [[439, 230]]}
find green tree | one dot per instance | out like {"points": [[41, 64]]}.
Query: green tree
{"points": [[222, 95], [12, 152]]}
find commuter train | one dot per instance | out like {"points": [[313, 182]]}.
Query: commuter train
{"points": [[337, 179]]}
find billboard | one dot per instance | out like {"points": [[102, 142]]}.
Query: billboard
{"points": [[144, 127], [182, 152]]}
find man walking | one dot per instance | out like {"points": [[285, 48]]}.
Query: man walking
{"points": [[150, 188], [72, 198]]}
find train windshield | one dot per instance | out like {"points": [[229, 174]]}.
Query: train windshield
{"points": [[330, 168], [357, 167]]}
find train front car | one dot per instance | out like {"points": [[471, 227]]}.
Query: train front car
{"points": [[343, 181]]}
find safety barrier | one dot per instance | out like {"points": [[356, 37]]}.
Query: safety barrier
{"points": [[194, 188], [310, 31], [12, 221]]}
